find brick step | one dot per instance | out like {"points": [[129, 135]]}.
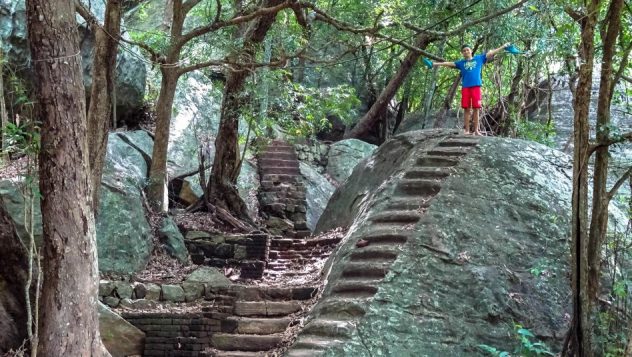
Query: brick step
{"points": [[266, 308], [302, 233], [409, 203], [239, 342], [232, 354], [278, 156], [460, 141], [429, 172], [450, 151], [255, 326], [271, 294], [402, 217], [279, 170], [309, 351], [436, 161], [332, 328], [355, 288], [417, 187], [278, 163], [279, 178], [278, 148], [365, 270]]}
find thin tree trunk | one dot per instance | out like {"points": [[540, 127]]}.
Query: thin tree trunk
{"points": [[221, 190], [599, 221], [103, 76], [157, 187], [371, 118], [69, 323], [579, 340]]}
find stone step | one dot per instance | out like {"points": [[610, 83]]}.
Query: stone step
{"points": [[303, 352], [332, 328], [313, 343], [279, 170], [352, 307], [278, 155], [429, 172], [279, 178], [409, 203], [255, 326], [449, 151], [460, 141], [266, 308], [402, 217], [384, 237], [278, 163], [436, 161], [355, 288], [272, 294], [375, 253], [418, 187], [365, 270], [279, 147], [239, 342], [235, 354]]}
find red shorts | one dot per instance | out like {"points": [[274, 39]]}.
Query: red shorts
{"points": [[471, 97]]}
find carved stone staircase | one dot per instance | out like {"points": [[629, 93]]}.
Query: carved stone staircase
{"points": [[282, 194], [371, 259]]}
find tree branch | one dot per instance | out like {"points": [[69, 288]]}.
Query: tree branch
{"points": [[84, 12], [618, 184], [611, 141], [215, 25], [626, 78]]}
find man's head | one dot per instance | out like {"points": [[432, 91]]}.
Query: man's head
{"points": [[466, 51]]}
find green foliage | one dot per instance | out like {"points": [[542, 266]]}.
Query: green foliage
{"points": [[542, 133], [528, 347], [22, 139]]}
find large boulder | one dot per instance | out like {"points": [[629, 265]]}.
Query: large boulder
{"points": [[131, 72], [123, 233], [12, 195], [489, 250], [318, 190], [119, 336], [345, 155]]}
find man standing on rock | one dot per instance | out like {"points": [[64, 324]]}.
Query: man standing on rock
{"points": [[471, 80]]}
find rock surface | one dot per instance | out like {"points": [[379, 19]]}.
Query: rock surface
{"points": [[488, 251], [345, 155], [123, 233], [173, 240], [318, 190], [119, 336]]}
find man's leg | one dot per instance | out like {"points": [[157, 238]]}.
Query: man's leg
{"points": [[466, 119], [476, 130]]}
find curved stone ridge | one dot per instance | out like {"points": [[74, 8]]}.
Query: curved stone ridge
{"points": [[346, 299]]}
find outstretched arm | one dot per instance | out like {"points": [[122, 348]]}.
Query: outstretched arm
{"points": [[444, 64], [491, 53]]}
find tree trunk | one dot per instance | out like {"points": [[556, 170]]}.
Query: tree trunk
{"points": [[599, 219], [447, 103], [371, 118], [157, 187], [69, 323], [579, 340], [221, 190], [100, 109]]}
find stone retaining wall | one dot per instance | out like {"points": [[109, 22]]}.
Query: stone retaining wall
{"points": [[248, 251]]}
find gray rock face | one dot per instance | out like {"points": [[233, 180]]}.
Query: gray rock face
{"points": [[123, 233], [119, 336], [318, 190], [490, 249], [131, 73], [13, 199], [345, 155], [173, 240]]}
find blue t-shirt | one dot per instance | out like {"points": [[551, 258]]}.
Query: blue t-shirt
{"points": [[471, 70]]}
